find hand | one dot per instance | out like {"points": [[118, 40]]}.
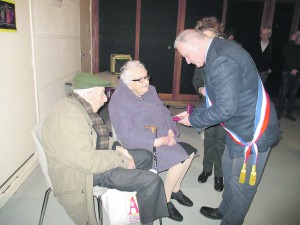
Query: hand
{"points": [[165, 140], [294, 72], [269, 71], [171, 136], [184, 119], [131, 164], [202, 91], [171, 133], [294, 37]]}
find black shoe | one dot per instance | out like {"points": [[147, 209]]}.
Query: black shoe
{"points": [[211, 213], [290, 117], [174, 214], [203, 176], [219, 184], [181, 198]]}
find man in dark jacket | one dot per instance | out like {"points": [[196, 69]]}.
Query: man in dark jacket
{"points": [[236, 99], [290, 78], [261, 52]]}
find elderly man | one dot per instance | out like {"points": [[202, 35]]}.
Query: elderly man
{"points": [[133, 107], [75, 139], [261, 52], [235, 98]]}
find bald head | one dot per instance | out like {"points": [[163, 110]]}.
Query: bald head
{"points": [[192, 45], [187, 36]]}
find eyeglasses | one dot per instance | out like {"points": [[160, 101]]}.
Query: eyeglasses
{"points": [[141, 80]]}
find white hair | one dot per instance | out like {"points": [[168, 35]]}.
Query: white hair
{"points": [[81, 92], [84, 92], [184, 37], [127, 70]]}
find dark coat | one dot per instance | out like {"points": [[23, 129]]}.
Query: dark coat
{"points": [[130, 114], [291, 54], [262, 59], [231, 81]]}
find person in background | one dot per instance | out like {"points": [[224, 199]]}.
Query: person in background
{"points": [[290, 77], [229, 34], [261, 52], [133, 107], [236, 98], [75, 140], [214, 136]]}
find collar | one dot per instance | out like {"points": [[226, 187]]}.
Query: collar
{"points": [[209, 43]]}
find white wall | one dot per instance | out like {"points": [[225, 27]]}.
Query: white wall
{"points": [[56, 37], [34, 64]]}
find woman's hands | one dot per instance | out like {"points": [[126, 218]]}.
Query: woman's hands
{"points": [[165, 140]]}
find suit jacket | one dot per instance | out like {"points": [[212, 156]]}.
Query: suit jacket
{"points": [[231, 82]]}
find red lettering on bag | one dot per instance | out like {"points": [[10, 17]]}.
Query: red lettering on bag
{"points": [[133, 205]]}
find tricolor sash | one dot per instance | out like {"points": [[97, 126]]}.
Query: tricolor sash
{"points": [[262, 115]]}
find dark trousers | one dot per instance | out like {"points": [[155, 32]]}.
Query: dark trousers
{"points": [[238, 197], [214, 145], [149, 186], [289, 87]]}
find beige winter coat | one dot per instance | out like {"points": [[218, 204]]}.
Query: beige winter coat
{"points": [[69, 141]]}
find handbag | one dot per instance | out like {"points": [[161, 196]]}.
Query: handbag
{"points": [[121, 207]]}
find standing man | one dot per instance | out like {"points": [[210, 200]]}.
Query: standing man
{"points": [[290, 77], [236, 99], [261, 52], [214, 137]]}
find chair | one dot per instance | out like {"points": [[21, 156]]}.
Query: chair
{"points": [[97, 191]]}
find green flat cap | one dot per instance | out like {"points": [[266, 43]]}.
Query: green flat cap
{"points": [[88, 80]]}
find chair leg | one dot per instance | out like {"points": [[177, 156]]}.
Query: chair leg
{"points": [[160, 221], [100, 212], [45, 202]]}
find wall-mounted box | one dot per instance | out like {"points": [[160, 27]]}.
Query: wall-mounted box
{"points": [[117, 61]]}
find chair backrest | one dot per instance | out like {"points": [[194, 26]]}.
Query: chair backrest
{"points": [[37, 138]]}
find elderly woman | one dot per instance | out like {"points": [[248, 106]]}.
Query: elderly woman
{"points": [[135, 105], [75, 140]]}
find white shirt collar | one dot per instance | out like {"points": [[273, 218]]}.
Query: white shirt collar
{"points": [[263, 45]]}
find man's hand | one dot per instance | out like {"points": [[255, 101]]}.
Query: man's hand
{"points": [[294, 72], [131, 164], [202, 91], [184, 116], [294, 37]]}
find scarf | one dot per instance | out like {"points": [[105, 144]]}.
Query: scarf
{"points": [[98, 124], [261, 120]]}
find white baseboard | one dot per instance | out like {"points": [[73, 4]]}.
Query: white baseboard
{"points": [[7, 191]]}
